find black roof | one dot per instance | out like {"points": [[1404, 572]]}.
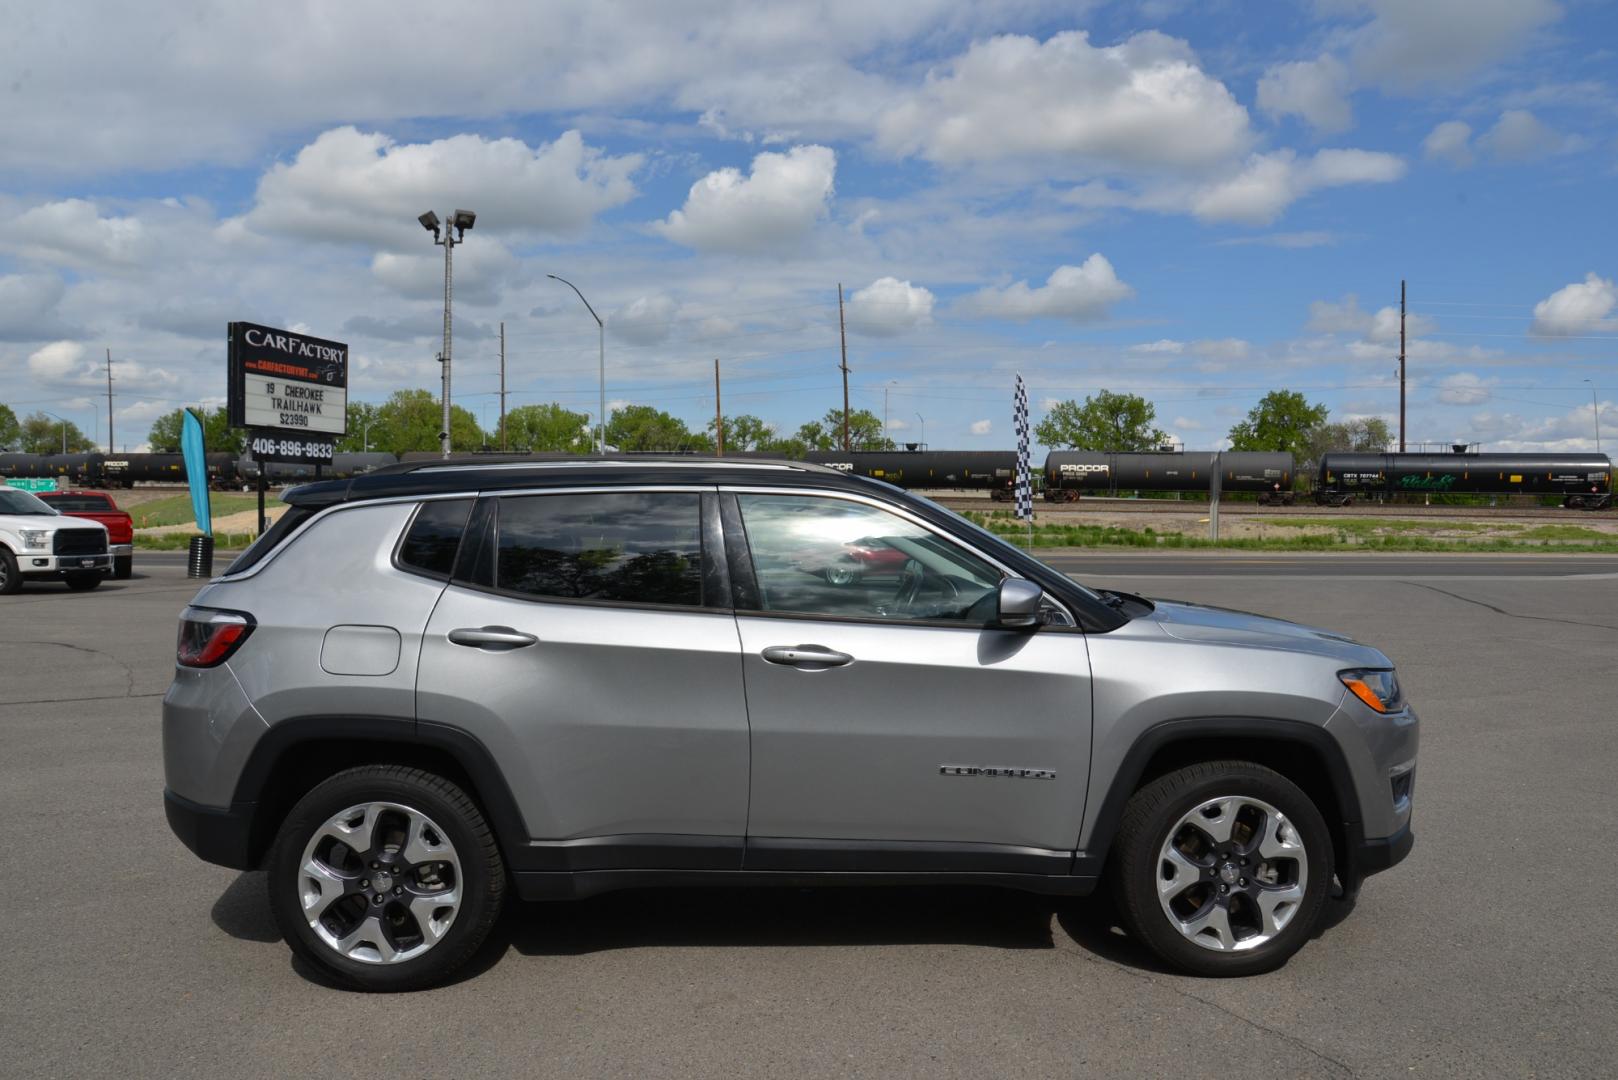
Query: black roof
{"points": [[504, 472]]}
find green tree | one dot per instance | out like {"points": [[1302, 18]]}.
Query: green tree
{"points": [[644, 428], [1368, 434], [42, 433], [864, 432], [217, 434], [410, 420], [362, 417], [10, 432], [1105, 421], [743, 433], [1283, 421], [549, 427]]}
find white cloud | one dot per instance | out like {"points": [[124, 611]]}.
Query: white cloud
{"points": [[1464, 388], [644, 321], [482, 270], [28, 305], [1571, 430], [1578, 308], [1409, 44], [1520, 136], [351, 185], [1163, 345], [1381, 326], [1314, 90], [770, 211], [1451, 142], [1082, 293], [888, 306], [1187, 424], [1222, 348], [1269, 183], [1142, 103], [983, 427], [56, 360], [73, 231]]}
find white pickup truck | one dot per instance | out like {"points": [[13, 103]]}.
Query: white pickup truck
{"points": [[37, 543]]}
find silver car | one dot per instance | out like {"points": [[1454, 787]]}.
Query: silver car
{"points": [[439, 683]]}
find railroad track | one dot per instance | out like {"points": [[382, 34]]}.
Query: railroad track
{"points": [[1089, 506]]}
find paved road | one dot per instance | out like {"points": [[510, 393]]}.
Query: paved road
{"points": [[1488, 953]]}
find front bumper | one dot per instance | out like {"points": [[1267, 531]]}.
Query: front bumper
{"points": [[1372, 856], [122, 550], [30, 563], [220, 835]]}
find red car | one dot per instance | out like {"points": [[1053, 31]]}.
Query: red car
{"points": [[99, 507], [857, 560]]}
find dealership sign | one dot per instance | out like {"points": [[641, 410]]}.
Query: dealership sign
{"points": [[290, 389]]}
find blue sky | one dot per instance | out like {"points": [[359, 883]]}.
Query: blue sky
{"points": [[1194, 202]]}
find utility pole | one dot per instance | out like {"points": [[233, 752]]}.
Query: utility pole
{"points": [[718, 412], [110, 449], [502, 387], [884, 414], [842, 332], [1401, 365]]}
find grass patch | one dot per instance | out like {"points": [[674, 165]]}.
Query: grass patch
{"points": [[1101, 536], [176, 509], [1564, 532], [1362, 526], [182, 541]]}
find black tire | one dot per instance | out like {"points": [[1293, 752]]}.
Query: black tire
{"points": [[482, 874], [10, 579], [82, 582], [1136, 868], [123, 567]]}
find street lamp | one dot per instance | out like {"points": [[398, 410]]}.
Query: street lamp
{"points": [[64, 430], [601, 338], [923, 420], [1595, 414], [459, 222]]}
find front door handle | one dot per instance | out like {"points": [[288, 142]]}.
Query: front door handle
{"points": [[806, 656], [491, 637]]}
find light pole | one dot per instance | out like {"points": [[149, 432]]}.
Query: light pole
{"points": [[923, 420], [64, 431], [459, 222], [1595, 414], [601, 361]]}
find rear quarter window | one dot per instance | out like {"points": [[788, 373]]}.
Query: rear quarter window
{"points": [[434, 537]]}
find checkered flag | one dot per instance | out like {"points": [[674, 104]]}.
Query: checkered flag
{"points": [[1023, 490]]}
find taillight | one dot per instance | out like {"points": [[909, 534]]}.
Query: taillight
{"points": [[208, 636]]}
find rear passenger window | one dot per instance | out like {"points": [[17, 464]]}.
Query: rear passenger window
{"points": [[632, 547], [434, 537]]}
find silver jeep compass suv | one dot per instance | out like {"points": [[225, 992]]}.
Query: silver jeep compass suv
{"points": [[441, 681]]}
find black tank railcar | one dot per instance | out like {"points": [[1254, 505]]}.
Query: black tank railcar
{"points": [[1070, 472], [127, 470], [976, 470], [1584, 481], [84, 469]]}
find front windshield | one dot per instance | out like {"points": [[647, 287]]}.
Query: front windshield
{"points": [[995, 544], [13, 501]]}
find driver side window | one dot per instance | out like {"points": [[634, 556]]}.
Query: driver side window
{"points": [[821, 556]]}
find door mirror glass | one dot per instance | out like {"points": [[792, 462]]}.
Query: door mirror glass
{"points": [[1019, 603]]}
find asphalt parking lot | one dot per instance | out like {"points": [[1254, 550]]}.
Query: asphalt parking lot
{"points": [[1487, 953]]}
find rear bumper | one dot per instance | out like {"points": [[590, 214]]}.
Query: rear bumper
{"points": [[122, 550], [220, 835], [30, 564]]}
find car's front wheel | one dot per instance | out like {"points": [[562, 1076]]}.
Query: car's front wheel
{"points": [[386, 877], [1222, 868], [82, 582]]}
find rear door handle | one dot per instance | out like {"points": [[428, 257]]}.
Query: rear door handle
{"points": [[491, 637], [806, 656]]}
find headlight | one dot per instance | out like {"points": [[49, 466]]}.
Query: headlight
{"points": [[34, 538], [1378, 689]]}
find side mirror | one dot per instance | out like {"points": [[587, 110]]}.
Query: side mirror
{"points": [[1019, 604]]}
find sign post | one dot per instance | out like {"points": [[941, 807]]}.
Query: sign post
{"points": [[290, 391]]}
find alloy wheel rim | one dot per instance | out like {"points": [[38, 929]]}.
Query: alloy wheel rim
{"points": [[1232, 873], [380, 883]]}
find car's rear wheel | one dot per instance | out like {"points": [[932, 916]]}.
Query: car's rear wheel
{"points": [[123, 567], [1222, 868], [386, 878], [82, 582], [842, 574], [10, 579]]}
